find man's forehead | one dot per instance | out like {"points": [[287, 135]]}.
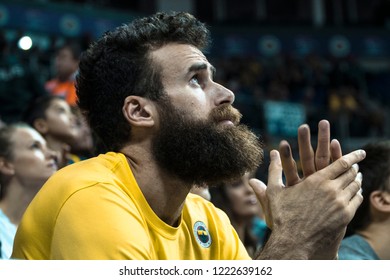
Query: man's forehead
{"points": [[179, 56]]}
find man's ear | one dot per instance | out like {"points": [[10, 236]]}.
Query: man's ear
{"points": [[41, 126], [380, 200], [6, 167], [138, 111]]}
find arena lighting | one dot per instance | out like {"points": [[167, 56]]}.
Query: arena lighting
{"points": [[25, 43]]}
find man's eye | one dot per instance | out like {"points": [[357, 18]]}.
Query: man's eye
{"points": [[195, 80]]}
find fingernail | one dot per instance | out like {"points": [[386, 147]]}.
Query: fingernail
{"points": [[359, 176], [304, 129], [273, 154], [323, 125], [355, 166], [362, 153]]}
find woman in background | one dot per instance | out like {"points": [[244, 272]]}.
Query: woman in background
{"points": [[25, 165], [239, 202]]}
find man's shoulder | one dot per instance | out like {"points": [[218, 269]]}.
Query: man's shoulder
{"points": [[104, 162], [105, 169]]}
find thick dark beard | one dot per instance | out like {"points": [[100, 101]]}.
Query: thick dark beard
{"points": [[202, 152]]}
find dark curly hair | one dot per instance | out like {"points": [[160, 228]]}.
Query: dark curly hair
{"points": [[375, 169], [119, 65]]}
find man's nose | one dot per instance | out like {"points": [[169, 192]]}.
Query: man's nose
{"points": [[223, 95]]}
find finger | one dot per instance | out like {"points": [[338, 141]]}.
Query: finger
{"points": [[352, 187], [288, 163], [260, 190], [275, 171], [335, 150], [347, 178], [306, 153], [342, 165], [356, 199], [322, 156], [355, 202], [353, 205]]}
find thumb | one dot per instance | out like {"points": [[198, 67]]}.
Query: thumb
{"points": [[275, 171], [260, 190]]}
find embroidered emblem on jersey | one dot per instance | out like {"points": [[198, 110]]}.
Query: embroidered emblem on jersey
{"points": [[202, 234]]}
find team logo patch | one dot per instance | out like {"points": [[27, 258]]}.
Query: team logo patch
{"points": [[202, 234]]}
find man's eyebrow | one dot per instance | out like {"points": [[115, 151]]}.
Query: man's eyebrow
{"points": [[201, 66]]}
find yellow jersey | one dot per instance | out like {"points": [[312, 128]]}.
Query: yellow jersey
{"points": [[94, 209]]}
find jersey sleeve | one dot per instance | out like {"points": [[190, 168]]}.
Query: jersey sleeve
{"points": [[100, 223]]}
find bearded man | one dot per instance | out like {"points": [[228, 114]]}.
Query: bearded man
{"points": [[148, 92]]}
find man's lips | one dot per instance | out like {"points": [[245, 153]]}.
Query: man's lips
{"points": [[226, 122]]}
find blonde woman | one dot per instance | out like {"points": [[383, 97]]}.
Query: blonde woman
{"points": [[25, 164]]}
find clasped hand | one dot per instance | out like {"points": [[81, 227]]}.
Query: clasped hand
{"points": [[312, 211]]}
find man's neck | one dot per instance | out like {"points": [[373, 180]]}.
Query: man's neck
{"points": [[164, 194]]}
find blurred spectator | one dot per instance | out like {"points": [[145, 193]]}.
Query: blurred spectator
{"points": [[82, 146], [25, 164], [368, 233], [66, 63], [19, 84], [239, 202], [203, 191], [53, 118]]}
